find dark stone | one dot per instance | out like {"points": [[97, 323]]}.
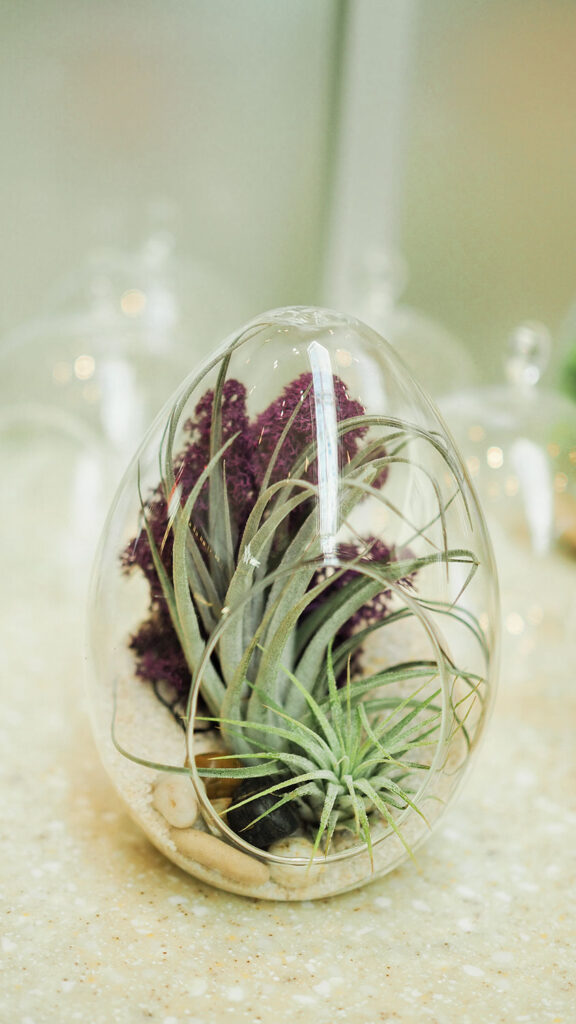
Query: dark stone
{"points": [[278, 824]]}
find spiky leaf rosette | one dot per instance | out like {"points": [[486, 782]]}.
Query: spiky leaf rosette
{"points": [[346, 758]]}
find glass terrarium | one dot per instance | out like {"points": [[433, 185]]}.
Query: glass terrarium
{"points": [[293, 615]]}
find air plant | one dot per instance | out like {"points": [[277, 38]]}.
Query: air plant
{"points": [[343, 760], [261, 614]]}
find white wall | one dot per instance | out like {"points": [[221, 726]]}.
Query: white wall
{"points": [[489, 220], [223, 109]]}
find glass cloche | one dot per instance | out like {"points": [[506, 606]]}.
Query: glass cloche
{"points": [[518, 439], [519, 442], [111, 343], [293, 617], [431, 352]]}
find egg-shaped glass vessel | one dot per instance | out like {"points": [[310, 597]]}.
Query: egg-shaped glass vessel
{"points": [[293, 621]]}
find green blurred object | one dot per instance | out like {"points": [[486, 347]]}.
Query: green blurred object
{"points": [[568, 373]]}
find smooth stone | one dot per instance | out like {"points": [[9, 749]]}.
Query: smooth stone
{"points": [[175, 800], [274, 825], [211, 852], [294, 876]]}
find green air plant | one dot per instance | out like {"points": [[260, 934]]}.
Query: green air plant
{"points": [[340, 763], [261, 624]]}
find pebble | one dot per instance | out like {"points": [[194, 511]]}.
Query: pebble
{"points": [[219, 787], [297, 876], [212, 853], [175, 800], [221, 805], [260, 822]]}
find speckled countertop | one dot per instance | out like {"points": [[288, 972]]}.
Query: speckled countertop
{"points": [[97, 926]]}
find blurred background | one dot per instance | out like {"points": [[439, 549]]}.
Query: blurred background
{"points": [[170, 170], [218, 122]]}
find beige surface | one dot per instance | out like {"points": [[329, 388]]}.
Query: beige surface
{"points": [[98, 926]]}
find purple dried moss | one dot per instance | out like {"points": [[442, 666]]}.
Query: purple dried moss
{"points": [[158, 655], [241, 480], [188, 466], [372, 552], [268, 427]]}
